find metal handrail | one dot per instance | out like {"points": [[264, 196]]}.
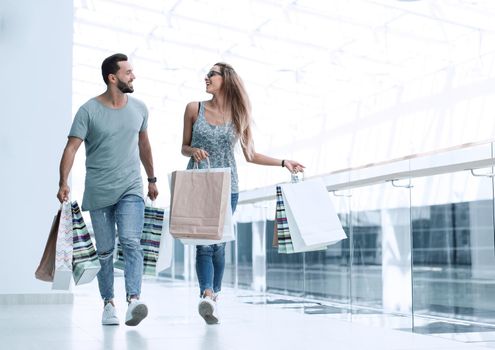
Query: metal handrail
{"points": [[466, 157]]}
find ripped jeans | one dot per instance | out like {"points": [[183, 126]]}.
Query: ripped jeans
{"points": [[128, 215], [210, 261]]}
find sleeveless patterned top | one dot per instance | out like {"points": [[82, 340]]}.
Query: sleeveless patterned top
{"points": [[219, 141]]}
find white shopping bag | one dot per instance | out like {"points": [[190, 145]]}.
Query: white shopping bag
{"points": [[311, 217], [165, 252], [64, 247]]}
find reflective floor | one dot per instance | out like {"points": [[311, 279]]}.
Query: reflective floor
{"points": [[248, 321]]}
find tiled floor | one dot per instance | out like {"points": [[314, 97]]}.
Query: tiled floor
{"points": [[173, 323]]}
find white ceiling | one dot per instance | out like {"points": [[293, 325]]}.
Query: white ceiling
{"points": [[357, 45], [299, 59]]}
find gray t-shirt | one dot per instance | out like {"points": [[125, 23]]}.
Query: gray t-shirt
{"points": [[111, 136]]}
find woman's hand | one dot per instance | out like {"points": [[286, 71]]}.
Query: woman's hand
{"points": [[293, 166], [199, 154]]}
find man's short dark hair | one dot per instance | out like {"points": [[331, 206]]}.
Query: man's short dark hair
{"points": [[110, 65]]}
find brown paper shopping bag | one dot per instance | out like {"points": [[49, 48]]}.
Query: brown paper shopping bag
{"points": [[46, 267], [198, 202]]}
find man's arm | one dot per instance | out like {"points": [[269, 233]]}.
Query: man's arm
{"points": [[147, 160], [66, 163]]}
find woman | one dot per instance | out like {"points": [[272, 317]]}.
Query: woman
{"points": [[211, 130]]}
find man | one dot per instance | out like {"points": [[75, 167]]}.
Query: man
{"points": [[113, 127]]}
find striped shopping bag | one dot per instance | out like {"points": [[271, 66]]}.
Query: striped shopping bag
{"points": [[284, 241], [150, 241], [85, 263]]}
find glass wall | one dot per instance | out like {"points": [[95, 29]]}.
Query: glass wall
{"points": [[381, 247], [453, 247], [418, 249], [245, 258], [326, 273], [284, 272]]}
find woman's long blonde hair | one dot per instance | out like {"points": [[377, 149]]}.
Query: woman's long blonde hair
{"points": [[240, 106]]}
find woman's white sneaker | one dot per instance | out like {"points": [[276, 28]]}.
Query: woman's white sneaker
{"points": [[207, 308]]}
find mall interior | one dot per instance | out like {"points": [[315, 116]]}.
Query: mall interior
{"points": [[389, 103]]}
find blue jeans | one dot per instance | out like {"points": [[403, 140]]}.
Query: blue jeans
{"points": [[210, 261], [128, 215]]}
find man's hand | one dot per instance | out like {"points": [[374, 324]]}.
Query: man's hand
{"points": [[152, 191], [63, 193]]}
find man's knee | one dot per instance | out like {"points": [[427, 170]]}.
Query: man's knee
{"points": [[105, 255], [130, 243]]}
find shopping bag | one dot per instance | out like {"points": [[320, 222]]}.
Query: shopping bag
{"points": [[165, 253], [63, 250], [198, 203], [228, 230], [311, 217], [85, 263], [46, 267], [152, 239], [283, 238], [275, 235]]}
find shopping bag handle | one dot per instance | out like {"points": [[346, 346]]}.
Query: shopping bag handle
{"points": [[196, 163], [295, 177]]}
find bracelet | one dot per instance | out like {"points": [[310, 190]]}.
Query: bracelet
{"points": [[152, 180], [283, 163]]}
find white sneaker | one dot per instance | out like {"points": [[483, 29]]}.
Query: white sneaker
{"points": [[136, 312], [207, 308], [109, 317]]}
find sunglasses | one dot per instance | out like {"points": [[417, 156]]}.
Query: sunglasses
{"points": [[213, 73]]}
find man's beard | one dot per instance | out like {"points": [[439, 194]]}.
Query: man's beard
{"points": [[124, 87]]}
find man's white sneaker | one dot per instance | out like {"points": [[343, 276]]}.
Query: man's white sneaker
{"points": [[136, 312], [109, 317], [207, 308]]}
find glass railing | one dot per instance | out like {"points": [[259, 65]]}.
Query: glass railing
{"points": [[420, 244]]}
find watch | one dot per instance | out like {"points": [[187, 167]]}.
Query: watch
{"points": [[151, 180]]}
